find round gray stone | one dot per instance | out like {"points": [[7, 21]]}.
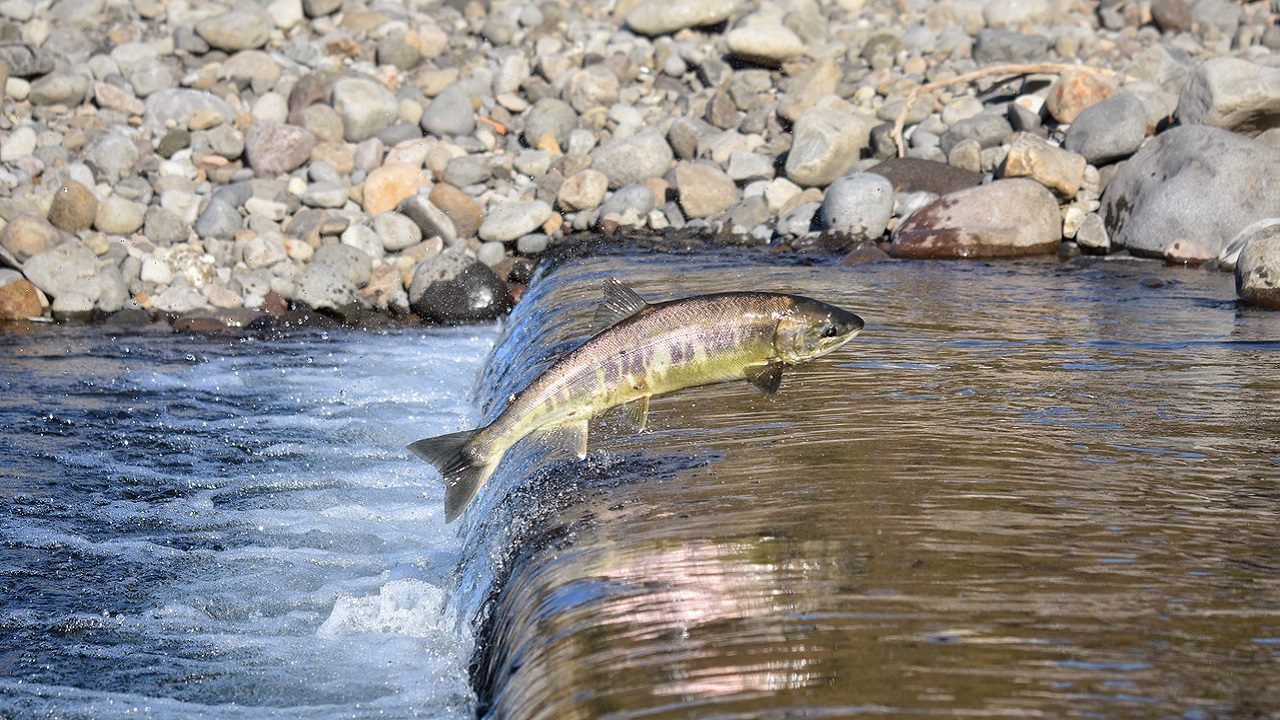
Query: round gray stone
{"points": [[859, 204], [549, 116], [1109, 130], [508, 220], [634, 159], [365, 105], [395, 231], [242, 28], [450, 113]]}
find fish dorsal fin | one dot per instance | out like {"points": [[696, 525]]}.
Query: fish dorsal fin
{"points": [[767, 378], [620, 302]]}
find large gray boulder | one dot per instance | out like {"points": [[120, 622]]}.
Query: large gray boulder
{"points": [[1232, 94], [1194, 184]]}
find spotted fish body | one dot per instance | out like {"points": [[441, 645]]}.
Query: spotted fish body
{"points": [[648, 349]]}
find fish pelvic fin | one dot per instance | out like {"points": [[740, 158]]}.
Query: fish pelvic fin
{"points": [[463, 470], [766, 378], [620, 302]]}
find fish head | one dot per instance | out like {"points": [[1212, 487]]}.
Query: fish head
{"points": [[811, 329]]}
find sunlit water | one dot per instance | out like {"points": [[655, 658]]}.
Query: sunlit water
{"points": [[1029, 489], [204, 528]]}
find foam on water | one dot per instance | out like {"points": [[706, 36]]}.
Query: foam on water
{"points": [[197, 529]]}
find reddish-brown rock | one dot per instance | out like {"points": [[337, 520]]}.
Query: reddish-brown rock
{"points": [[391, 183], [1005, 218], [1076, 90], [20, 300]]}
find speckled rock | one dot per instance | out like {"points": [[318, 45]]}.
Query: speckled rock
{"points": [[1076, 90], [273, 149], [1194, 182], [1007, 217]]}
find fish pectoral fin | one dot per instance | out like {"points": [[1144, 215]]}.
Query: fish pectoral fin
{"points": [[569, 437], [767, 378], [637, 414], [620, 302]]}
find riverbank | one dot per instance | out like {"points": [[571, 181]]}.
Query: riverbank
{"points": [[314, 159]]}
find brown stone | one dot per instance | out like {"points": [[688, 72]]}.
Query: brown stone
{"points": [[1076, 90], [1171, 16], [340, 155], [918, 175], [20, 300], [73, 208], [1059, 170], [461, 208], [1005, 218], [391, 183], [27, 236]]}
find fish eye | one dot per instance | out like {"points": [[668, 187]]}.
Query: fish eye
{"points": [[830, 330]]}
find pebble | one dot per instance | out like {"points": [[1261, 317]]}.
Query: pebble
{"points": [[60, 88], [666, 18], [1092, 236], [18, 144], [273, 149], [450, 113], [1108, 131], [1059, 170], [390, 184], [583, 190], [704, 189], [163, 227], [989, 129], [243, 28], [1004, 218], [472, 295], [73, 208], [1192, 182], [1007, 46], [508, 220], [26, 236], [364, 239], [549, 118], [825, 143], [1232, 94], [626, 161], [396, 232], [69, 267], [764, 40], [1076, 90], [430, 219], [365, 107], [859, 204], [19, 299], [465, 213]]}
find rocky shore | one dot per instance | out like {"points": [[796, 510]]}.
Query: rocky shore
{"points": [[224, 163]]}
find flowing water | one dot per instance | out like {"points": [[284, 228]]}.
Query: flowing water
{"points": [[1029, 489], [203, 528]]}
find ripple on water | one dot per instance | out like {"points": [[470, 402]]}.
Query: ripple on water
{"points": [[197, 529]]}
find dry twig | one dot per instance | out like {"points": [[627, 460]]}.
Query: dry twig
{"points": [[1012, 69]]}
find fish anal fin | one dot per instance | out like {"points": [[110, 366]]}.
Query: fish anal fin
{"points": [[637, 414], [464, 473], [569, 437], [766, 378], [620, 302]]}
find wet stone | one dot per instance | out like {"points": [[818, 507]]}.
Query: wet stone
{"points": [[1005, 218], [472, 295]]}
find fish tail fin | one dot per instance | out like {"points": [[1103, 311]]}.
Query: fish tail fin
{"points": [[463, 469]]}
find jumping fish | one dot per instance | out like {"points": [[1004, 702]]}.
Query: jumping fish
{"points": [[641, 350]]}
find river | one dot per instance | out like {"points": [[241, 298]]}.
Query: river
{"points": [[1028, 489]]}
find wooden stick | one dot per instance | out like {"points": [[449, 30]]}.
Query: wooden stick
{"points": [[1012, 69]]}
